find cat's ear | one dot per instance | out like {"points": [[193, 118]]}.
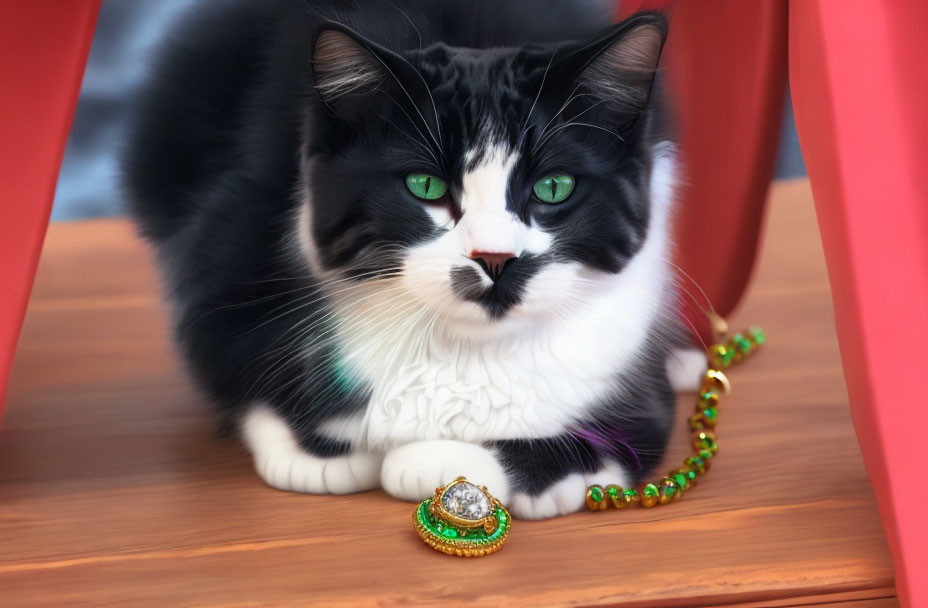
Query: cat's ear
{"points": [[344, 65], [618, 68], [349, 71]]}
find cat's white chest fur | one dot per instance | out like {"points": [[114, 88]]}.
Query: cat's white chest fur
{"points": [[481, 391], [533, 382]]}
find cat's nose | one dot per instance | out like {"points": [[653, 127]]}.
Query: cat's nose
{"points": [[492, 263]]}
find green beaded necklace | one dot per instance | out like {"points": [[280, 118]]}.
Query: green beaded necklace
{"points": [[722, 355]]}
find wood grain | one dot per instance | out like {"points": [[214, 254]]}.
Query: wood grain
{"points": [[114, 487]]}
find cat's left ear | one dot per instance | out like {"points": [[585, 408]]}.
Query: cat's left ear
{"points": [[618, 67]]}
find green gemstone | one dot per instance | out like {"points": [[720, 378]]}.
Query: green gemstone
{"points": [[757, 334], [613, 491], [680, 479], [630, 494], [741, 343], [696, 463], [596, 493], [650, 495], [477, 536], [692, 475], [706, 455], [502, 527], [710, 413], [726, 355], [705, 441], [670, 491], [709, 398]]}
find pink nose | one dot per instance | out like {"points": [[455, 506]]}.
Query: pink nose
{"points": [[492, 263]]}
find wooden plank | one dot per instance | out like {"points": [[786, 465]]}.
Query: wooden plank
{"points": [[114, 486], [860, 598]]}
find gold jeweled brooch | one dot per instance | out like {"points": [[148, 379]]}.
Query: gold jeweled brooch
{"points": [[462, 519]]}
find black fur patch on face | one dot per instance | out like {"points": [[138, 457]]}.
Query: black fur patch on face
{"points": [[364, 217], [466, 283], [505, 292]]}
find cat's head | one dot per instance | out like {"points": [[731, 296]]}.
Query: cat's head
{"points": [[493, 187]]}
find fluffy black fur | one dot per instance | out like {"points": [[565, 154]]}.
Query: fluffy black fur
{"points": [[232, 116]]}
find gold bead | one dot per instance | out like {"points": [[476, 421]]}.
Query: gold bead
{"points": [[705, 440], [631, 496], [594, 498], [707, 399], [617, 495], [669, 490], [689, 474], [650, 495], [715, 380], [720, 356], [697, 422], [703, 419], [697, 464]]}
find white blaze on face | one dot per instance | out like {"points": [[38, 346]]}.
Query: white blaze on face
{"points": [[487, 226]]}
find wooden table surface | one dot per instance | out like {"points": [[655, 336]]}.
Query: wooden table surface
{"points": [[115, 488]]}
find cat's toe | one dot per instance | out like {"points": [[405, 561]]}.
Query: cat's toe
{"points": [[297, 471], [565, 496], [413, 471]]}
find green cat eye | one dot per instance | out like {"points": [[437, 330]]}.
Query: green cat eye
{"points": [[425, 186], [554, 188]]}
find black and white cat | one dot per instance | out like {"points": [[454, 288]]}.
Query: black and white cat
{"points": [[410, 240]]}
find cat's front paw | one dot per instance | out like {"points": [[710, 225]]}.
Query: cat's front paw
{"points": [[566, 496], [413, 471], [283, 464]]}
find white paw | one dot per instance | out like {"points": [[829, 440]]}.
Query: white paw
{"points": [[566, 496], [413, 471], [302, 472], [685, 368], [283, 464]]}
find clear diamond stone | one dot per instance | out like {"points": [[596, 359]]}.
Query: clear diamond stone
{"points": [[465, 500]]}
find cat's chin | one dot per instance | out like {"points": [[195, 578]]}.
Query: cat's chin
{"points": [[482, 327]]}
